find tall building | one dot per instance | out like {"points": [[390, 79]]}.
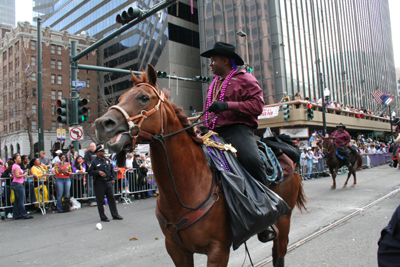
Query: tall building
{"points": [[305, 45], [168, 40], [7, 12], [45, 8], [18, 86]]}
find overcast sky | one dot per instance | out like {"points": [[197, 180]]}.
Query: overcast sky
{"points": [[24, 13]]}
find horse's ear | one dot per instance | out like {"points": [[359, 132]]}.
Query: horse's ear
{"points": [[152, 75]]}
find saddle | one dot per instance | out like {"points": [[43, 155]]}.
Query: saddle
{"points": [[252, 205]]}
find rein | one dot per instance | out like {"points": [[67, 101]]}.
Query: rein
{"points": [[159, 137], [329, 149]]}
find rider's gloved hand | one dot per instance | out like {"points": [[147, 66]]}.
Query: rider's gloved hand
{"points": [[218, 106]]}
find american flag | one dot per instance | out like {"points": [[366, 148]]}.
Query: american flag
{"points": [[377, 96], [381, 98]]}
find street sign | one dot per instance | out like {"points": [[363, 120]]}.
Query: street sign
{"points": [[78, 83], [76, 133], [79, 88]]}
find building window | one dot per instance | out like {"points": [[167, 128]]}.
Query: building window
{"points": [[10, 50], [53, 49], [53, 94], [33, 108], [53, 126], [53, 64], [33, 45], [34, 125], [88, 112], [5, 55], [17, 46], [10, 96], [59, 79], [58, 50], [53, 78], [33, 92], [60, 126], [59, 95], [10, 66], [53, 108], [88, 97], [87, 82], [59, 64], [33, 77], [33, 61]]}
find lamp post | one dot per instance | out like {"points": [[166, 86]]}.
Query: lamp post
{"points": [[242, 34]]}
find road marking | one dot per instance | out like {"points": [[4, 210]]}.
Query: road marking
{"points": [[329, 227]]}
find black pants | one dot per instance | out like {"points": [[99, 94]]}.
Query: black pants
{"points": [[106, 188], [241, 137]]}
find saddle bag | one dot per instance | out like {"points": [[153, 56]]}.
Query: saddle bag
{"points": [[252, 206], [286, 144]]}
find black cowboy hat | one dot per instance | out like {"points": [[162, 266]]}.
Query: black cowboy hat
{"points": [[225, 49], [341, 125]]}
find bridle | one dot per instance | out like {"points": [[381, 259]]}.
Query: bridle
{"points": [[136, 121], [330, 146], [159, 137]]}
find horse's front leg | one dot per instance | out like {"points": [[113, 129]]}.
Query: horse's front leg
{"points": [[181, 256], [355, 179], [333, 173], [218, 255], [283, 225]]}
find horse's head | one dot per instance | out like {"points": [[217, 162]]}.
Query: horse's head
{"points": [[121, 124], [326, 144]]}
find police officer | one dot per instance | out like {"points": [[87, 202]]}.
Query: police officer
{"points": [[102, 172], [389, 243]]}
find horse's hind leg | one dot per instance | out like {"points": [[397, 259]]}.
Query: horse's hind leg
{"points": [[283, 225], [218, 256], [179, 255], [355, 179]]}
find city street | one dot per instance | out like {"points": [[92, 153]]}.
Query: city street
{"points": [[72, 239]]}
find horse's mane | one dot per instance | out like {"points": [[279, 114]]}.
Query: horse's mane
{"points": [[185, 123], [178, 111]]}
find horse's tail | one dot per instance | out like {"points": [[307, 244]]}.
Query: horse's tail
{"points": [[301, 199], [359, 162]]}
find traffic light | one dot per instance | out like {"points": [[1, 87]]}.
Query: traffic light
{"points": [[310, 112], [82, 110], [62, 111], [286, 111], [161, 74], [129, 15], [202, 79]]}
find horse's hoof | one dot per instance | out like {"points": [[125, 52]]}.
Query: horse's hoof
{"points": [[344, 186], [333, 187], [353, 185]]}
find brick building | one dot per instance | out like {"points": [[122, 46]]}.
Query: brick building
{"points": [[18, 86]]}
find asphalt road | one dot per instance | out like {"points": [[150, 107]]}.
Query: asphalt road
{"points": [[71, 239]]}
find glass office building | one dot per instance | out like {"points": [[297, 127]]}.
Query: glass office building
{"points": [[164, 40], [292, 44], [7, 12]]}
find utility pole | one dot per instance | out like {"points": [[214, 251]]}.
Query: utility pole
{"points": [[40, 86]]}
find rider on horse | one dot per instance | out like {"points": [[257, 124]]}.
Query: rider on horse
{"points": [[342, 142], [237, 95]]}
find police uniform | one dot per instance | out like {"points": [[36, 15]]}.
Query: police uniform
{"points": [[389, 243], [103, 185]]}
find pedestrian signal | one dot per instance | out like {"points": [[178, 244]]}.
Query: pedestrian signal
{"points": [[310, 111], [285, 111]]}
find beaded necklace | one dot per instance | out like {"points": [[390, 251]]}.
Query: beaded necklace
{"points": [[211, 96]]}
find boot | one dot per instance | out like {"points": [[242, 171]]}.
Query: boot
{"points": [[268, 235]]}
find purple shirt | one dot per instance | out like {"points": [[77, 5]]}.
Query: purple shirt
{"points": [[342, 139], [245, 100], [17, 180]]}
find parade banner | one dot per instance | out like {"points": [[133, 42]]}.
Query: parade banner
{"points": [[269, 112]]}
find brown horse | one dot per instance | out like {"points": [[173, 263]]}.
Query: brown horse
{"points": [[334, 163], [182, 174]]}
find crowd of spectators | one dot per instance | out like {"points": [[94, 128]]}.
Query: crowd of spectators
{"points": [[335, 105], [25, 175]]}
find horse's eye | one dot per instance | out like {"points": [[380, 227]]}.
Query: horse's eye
{"points": [[144, 98]]}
